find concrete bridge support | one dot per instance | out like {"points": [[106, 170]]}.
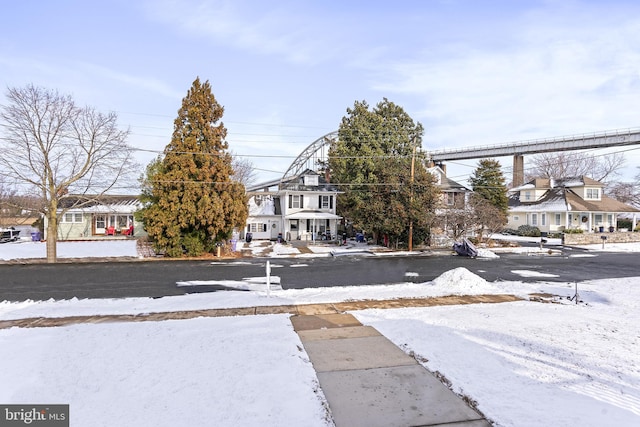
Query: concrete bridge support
{"points": [[518, 170]]}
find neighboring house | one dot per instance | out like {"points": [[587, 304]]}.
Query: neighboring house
{"points": [[454, 195], [554, 205], [303, 208], [97, 217]]}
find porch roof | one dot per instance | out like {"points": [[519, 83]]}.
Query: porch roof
{"points": [[312, 215]]}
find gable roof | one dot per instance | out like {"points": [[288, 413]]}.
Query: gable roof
{"points": [[605, 204], [561, 199], [296, 183]]}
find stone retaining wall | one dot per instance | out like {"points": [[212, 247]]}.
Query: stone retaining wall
{"points": [[593, 238]]}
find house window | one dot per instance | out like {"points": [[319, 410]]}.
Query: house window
{"points": [[610, 219], [255, 227], [516, 218], [72, 217], [534, 219], [558, 219], [593, 193], [543, 219], [598, 219], [325, 202], [295, 201], [311, 180], [451, 199], [527, 196]]}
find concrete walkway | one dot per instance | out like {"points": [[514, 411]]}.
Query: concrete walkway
{"points": [[370, 382]]}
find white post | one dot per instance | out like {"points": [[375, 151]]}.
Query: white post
{"points": [[268, 279]]}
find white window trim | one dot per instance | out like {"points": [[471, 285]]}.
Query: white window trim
{"points": [[76, 217], [592, 194]]}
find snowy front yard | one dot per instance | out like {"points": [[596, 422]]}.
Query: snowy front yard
{"points": [[524, 363]]}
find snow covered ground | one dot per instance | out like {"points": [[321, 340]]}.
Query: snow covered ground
{"points": [[524, 363]]}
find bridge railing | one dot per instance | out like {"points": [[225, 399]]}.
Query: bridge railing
{"points": [[539, 141]]}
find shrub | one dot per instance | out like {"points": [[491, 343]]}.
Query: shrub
{"points": [[625, 223], [574, 231], [528, 231]]}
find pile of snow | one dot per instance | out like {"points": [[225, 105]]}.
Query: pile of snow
{"points": [[461, 281], [486, 253]]}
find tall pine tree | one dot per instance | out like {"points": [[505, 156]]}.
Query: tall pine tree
{"points": [[372, 160], [488, 182], [193, 202]]}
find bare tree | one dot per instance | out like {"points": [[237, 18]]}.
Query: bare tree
{"points": [[489, 219], [54, 149], [567, 164], [626, 192], [243, 170]]}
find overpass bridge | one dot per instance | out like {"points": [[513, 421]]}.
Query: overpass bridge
{"points": [[316, 154], [605, 139]]}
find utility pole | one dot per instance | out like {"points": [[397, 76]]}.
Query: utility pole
{"points": [[413, 162]]}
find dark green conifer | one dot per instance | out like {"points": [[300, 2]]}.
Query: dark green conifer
{"points": [[193, 202]]}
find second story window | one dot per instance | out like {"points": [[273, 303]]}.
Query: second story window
{"points": [[295, 201], [593, 193], [451, 199], [325, 202]]}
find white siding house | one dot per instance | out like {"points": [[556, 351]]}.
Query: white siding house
{"points": [[554, 205], [303, 208]]}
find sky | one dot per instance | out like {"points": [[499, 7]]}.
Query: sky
{"points": [[472, 72]]}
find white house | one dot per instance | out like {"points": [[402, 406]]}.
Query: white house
{"points": [[303, 208], [554, 205]]}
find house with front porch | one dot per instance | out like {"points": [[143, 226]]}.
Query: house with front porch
{"points": [[83, 217], [302, 208], [555, 205]]}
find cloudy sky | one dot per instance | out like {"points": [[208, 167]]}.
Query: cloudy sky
{"points": [[473, 72]]}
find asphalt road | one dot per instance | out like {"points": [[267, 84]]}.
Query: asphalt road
{"points": [[19, 282]]}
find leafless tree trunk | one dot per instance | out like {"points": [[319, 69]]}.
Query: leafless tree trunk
{"points": [[53, 149]]}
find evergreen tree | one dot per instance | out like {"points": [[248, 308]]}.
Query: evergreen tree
{"points": [[192, 200], [372, 160], [488, 182], [489, 202]]}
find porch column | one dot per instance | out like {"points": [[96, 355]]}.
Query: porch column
{"points": [[566, 220], [633, 223]]}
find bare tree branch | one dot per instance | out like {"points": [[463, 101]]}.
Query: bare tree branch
{"points": [[60, 149], [567, 164]]}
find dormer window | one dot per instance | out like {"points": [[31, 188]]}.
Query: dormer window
{"points": [[311, 180], [527, 196], [592, 194]]}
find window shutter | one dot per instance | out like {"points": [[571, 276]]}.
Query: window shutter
{"points": [[330, 202], [319, 202], [301, 198], [264, 227], [308, 224], [290, 201]]}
